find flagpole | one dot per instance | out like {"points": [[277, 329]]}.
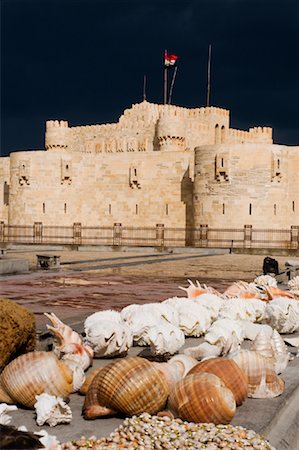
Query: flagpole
{"points": [[172, 84], [209, 76], [144, 87], [165, 78]]}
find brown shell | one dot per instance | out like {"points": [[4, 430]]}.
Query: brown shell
{"points": [[203, 397], [262, 379], [34, 373], [130, 386], [230, 373]]}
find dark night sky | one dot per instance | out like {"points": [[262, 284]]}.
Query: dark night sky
{"points": [[84, 61]]}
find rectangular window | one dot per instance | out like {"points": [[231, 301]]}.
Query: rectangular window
{"points": [[293, 206], [136, 209], [223, 208], [166, 209], [44, 207], [250, 209], [65, 208], [110, 209]]}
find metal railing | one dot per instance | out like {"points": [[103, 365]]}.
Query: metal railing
{"points": [[158, 236]]}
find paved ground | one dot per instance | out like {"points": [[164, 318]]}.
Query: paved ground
{"points": [[93, 281]]}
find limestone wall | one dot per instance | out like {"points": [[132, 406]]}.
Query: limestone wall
{"points": [[239, 184], [4, 188], [60, 188]]}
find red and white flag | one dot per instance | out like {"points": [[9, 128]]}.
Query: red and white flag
{"points": [[169, 60]]}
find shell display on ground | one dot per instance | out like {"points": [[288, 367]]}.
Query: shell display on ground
{"points": [[212, 302], [229, 372], [194, 319], [202, 398], [51, 410], [281, 353], [237, 309], [130, 386], [107, 334], [251, 330], [262, 344], [226, 334], [263, 382], [33, 374], [165, 338]]}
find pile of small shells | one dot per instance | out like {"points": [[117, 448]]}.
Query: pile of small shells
{"points": [[147, 432]]}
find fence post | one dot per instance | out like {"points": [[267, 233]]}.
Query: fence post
{"points": [[77, 233], [294, 236], [160, 234], [204, 235], [117, 234], [2, 231], [247, 236], [38, 232]]}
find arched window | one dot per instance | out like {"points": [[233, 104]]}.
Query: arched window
{"points": [[65, 208], [217, 134]]}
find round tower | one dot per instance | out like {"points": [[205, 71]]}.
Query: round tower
{"points": [[171, 129], [57, 135]]}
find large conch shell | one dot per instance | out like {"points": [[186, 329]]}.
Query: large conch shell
{"points": [[51, 410], [176, 368], [32, 374], [245, 290], [130, 386], [108, 334], [272, 346], [273, 292], [263, 382], [229, 372], [202, 397]]}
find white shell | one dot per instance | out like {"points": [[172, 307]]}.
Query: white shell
{"points": [[283, 314], [109, 338], [183, 362], [265, 280], [109, 315], [237, 309], [281, 354], [212, 302], [51, 410], [203, 350], [251, 330], [74, 363], [165, 338], [81, 353], [49, 442], [194, 319], [293, 284], [5, 419], [225, 333]]}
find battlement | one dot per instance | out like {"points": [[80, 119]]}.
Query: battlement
{"points": [[56, 124]]}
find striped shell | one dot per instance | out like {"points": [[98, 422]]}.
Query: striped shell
{"points": [[33, 374], [262, 379], [229, 372], [202, 397], [131, 386]]}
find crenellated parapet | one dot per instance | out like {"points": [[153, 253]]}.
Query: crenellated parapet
{"points": [[57, 135], [254, 135]]}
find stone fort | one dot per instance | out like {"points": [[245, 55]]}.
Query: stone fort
{"points": [[159, 164]]}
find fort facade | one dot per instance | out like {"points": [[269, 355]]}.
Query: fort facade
{"points": [[159, 164]]}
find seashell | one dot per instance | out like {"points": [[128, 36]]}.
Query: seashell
{"points": [[85, 386], [202, 398], [229, 372], [130, 386], [192, 290], [293, 285], [262, 344], [293, 341], [63, 332], [259, 308], [203, 350], [51, 410], [244, 290], [282, 313], [48, 441], [108, 338], [281, 354], [262, 379], [237, 309], [265, 280], [82, 354], [212, 302], [273, 292], [183, 362], [71, 361], [5, 419], [165, 338], [251, 330], [194, 319], [34, 373], [225, 333]]}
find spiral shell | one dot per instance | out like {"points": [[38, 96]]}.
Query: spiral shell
{"points": [[262, 379], [203, 397], [229, 372], [34, 373], [131, 386]]}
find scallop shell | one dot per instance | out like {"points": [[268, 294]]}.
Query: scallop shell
{"points": [[131, 386], [108, 338], [194, 319], [202, 398], [262, 379], [51, 410], [229, 372], [165, 338], [34, 373]]}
